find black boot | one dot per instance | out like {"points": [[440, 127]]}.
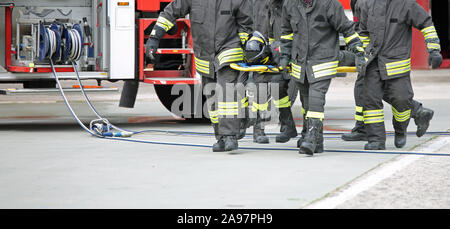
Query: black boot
{"points": [[243, 125], [400, 140], [358, 133], [231, 143], [219, 146], [216, 130], [311, 139], [422, 120], [290, 131], [258, 132], [303, 133], [375, 146]]}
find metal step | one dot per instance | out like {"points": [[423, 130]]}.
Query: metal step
{"points": [[9, 91]]}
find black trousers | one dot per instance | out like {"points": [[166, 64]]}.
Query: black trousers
{"points": [[398, 92], [312, 97]]}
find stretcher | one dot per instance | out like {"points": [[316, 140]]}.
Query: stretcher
{"points": [[243, 67]]}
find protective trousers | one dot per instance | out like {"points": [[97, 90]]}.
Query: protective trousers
{"points": [[312, 97], [398, 92], [230, 99], [261, 93]]}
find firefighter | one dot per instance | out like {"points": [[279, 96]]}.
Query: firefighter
{"points": [[421, 115], [267, 21], [389, 65], [219, 29], [310, 39]]}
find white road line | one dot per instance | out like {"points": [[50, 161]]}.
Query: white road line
{"points": [[377, 176]]}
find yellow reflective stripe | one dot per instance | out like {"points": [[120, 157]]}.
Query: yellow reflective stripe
{"points": [[282, 103], [257, 39], [373, 120], [303, 111], [243, 37], [399, 71], [359, 118], [428, 29], [429, 32], [271, 40], [201, 65], [398, 63], [228, 105], [326, 73], [213, 116], [231, 55], [260, 107], [348, 39], [359, 109], [324, 66], [223, 112], [288, 37], [296, 70], [164, 23], [313, 114], [370, 113], [434, 46], [244, 102]]}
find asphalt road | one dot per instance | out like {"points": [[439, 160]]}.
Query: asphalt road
{"points": [[47, 161]]}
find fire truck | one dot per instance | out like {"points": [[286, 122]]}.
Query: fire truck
{"points": [[104, 40]]}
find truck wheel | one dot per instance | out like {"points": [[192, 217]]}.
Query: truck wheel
{"points": [[192, 113]]}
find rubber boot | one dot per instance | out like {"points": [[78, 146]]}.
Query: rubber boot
{"points": [[400, 140], [303, 133], [243, 125], [216, 130], [290, 131], [422, 120], [375, 146], [230, 142], [258, 132], [311, 139], [358, 133]]}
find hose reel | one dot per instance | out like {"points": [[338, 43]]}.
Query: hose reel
{"points": [[61, 43]]}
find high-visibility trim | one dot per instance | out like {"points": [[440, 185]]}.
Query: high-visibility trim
{"points": [[296, 70], [244, 102], [433, 46], [271, 40], [259, 107], [350, 38], [303, 111], [401, 116], [398, 67], [231, 55], [313, 114], [228, 112], [429, 32], [370, 113], [228, 105], [282, 103], [288, 37], [202, 66], [359, 118], [325, 69], [372, 120], [365, 41], [214, 116], [243, 36], [164, 23], [255, 38], [359, 109]]}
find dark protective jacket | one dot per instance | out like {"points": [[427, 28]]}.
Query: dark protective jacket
{"points": [[388, 24], [310, 37], [267, 18], [218, 27]]}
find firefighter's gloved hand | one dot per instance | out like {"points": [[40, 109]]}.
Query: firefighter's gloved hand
{"points": [[283, 66], [360, 63], [151, 47], [435, 59]]}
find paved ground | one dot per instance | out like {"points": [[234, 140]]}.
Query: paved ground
{"points": [[48, 162]]}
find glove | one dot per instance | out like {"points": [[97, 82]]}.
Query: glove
{"points": [[283, 66], [151, 47], [435, 59], [360, 63]]}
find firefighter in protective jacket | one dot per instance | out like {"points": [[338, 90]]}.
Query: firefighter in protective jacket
{"points": [[420, 114], [389, 63], [219, 29], [310, 41]]}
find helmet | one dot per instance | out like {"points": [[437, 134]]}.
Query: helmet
{"points": [[257, 49]]}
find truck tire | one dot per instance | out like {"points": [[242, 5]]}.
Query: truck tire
{"points": [[193, 114]]}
